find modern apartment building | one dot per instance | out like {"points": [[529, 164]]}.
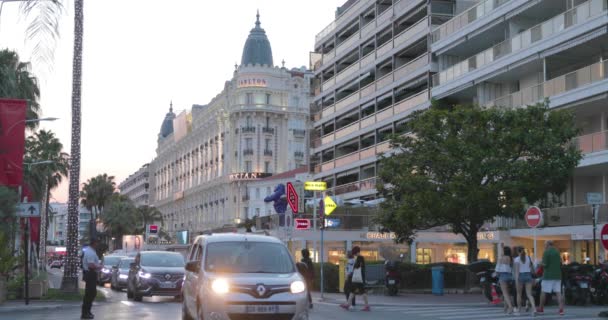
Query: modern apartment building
{"points": [[137, 186], [381, 60], [256, 127]]}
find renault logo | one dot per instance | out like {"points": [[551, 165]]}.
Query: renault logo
{"points": [[167, 276], [261, 290]]}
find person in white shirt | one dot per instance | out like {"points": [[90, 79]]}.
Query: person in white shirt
{"points": [[90, 266], [523, 277], [350, 266]]}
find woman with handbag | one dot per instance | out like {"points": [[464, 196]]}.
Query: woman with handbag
{"points": [[524, 277], [357, 281]]}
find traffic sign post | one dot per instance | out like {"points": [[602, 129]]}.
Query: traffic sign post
{"points": [[534, 218], [594, 199], [292, 198]]}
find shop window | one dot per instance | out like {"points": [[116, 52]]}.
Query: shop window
{"points": [[456, 255], [487, 254], [423, 255]]}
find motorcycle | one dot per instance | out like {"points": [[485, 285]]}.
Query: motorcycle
{"points": [[392, 276], [598, 289], [576, 285]]}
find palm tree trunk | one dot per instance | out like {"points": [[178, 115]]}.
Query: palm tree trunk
{"points": [[44, 220], [69, 282]]}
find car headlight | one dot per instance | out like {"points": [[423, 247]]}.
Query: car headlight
{"points": [[144, 275], [105, 270], [220, 286], [123, 276], [297, 287]]}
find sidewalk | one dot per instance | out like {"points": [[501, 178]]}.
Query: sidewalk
{"points": [[406, 299], [19, 305]]}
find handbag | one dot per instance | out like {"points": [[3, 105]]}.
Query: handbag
{"points": [[532, 271], [357, 276]]}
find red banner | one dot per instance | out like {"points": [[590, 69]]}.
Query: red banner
{"points": [[12, 141]]}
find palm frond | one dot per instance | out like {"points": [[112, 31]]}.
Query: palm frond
{"points": [[43, 28]]}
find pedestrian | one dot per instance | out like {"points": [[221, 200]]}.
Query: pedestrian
{"points": [[310, 274], [350, 266], [357, 281], [90, 266], [552, 277], [505, 276], [523, 278]]}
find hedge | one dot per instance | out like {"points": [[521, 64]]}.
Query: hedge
{"points": [[330, 277]]}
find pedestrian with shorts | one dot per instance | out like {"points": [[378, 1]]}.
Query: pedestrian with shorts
{"points": [[523, 278], [348, 277], [90, 266], [505, 277], [552, 277], [310, 274], [357, 281]]}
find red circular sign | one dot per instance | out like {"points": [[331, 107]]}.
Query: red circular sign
{"points": [[534, 217], [604, 236]]}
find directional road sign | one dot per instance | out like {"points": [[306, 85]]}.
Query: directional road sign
{"points": [[595, 198], [28, 209], [302, 224], [329, 205], [315, 185], [292, 197]]}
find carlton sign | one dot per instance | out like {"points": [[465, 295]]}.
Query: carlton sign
{"points": [[249, 175], [251, 82]]}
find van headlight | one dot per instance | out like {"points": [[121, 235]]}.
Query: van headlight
{"points": [[298, 287], [123, 276], [105, 270], [220, 286], [144, 275]]}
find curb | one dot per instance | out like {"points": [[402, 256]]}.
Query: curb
{"points": [[36, 307]]}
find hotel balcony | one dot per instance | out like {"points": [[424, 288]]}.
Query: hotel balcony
{"points": [[268, 130], [299, 133], [268, 152], [298, 154], [248, 129], [248, 152]]}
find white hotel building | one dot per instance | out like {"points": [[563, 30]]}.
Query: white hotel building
{"points": [[254, 128]]}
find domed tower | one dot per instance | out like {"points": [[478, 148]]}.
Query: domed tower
{"points": [[166, 128], [257, 47]]}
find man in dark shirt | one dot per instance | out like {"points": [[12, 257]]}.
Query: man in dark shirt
{"points": [[310, 274]]}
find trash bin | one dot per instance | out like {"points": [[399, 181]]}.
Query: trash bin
{"points": [[437, 275]]}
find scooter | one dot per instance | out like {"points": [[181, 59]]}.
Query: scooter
{"points": [[392, 276], [576, 284], [598, 289]]}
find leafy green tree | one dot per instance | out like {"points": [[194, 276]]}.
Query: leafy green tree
{"points": [[8, 207], [120, 216], [17, 82], [462, 166]]}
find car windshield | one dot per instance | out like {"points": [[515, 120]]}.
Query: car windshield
{"points": [[162, 260], [111, 261], [248, 257], [125, 263]]}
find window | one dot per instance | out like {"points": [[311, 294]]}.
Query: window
{"points": [[296, 101], [267, 122], [248, 166], [246, 212], [257, 193], [248, 143], [267, 166], [249, 98], [267, 144], [248, 257], [257, 212], [248, 121], [423, 256], [267, 191], [268, 98]]}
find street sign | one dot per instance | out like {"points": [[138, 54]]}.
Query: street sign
{"points": [[604, 236], [332, 223], [329, 205], [534, 217], [302, 224], [292, 198], [28, 209], [315, 185], [594, 198]]}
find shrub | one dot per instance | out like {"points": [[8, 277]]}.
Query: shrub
{"points": [[330, 277]]}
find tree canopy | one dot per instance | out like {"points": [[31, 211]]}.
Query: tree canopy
{"points": [[18, 83], [462, 166]]}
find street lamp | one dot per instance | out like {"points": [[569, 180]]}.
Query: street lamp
{"points": [[28, 120]]}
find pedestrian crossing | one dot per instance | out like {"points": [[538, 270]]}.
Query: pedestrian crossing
{"points": [[481, 312]]}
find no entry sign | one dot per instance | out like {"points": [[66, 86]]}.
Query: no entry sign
{"points": [[604, 236], [534, 217], [302, 224]]}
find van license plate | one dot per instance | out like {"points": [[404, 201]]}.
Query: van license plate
{"points": [[262, 309], [391, 281], [167, 285]]}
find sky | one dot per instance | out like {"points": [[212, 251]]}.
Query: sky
{"points": [[141, 54]]}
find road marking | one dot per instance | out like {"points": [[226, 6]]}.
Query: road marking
{"points": [[127, 303]]}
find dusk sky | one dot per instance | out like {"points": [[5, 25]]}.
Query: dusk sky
{"points": [[141, 54]]}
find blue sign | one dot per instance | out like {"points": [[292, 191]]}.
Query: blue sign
{"points": [[332, 223]]}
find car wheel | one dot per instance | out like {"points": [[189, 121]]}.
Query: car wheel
{"points": [[137, 298]]}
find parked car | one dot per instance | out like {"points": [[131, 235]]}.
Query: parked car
{"points": [[155, 273], [242, 276], [108, 262], [120, 274], [56, 264]]}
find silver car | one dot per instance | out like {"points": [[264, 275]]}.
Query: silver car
{"points": [[242, 276]]}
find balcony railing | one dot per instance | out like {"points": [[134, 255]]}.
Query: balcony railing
{"points": [[573, 80], [268, 152], [575, 16], [246, 197], [352, 157], [268, 130], [248, 152], [298, 154], [593, 142], [569, 216], [248, 129], [361, 185], [464, 18], [299, 132]]}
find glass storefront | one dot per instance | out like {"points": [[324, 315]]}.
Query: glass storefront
{"points": [[424, 255]]}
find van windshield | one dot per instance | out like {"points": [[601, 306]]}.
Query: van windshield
{"points": [[248, 257]]}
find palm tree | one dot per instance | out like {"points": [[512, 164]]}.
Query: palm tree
{"points": [[149, 215], [95, 194], [18, 83], [43, 145], [120, 216]]}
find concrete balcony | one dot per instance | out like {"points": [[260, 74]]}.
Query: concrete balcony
{"points": [[248, 152], [268, 130], [369, 153], [569, 216], [299, 133], [268, 153], [247, 129], [593, 142], [367, 185]]}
